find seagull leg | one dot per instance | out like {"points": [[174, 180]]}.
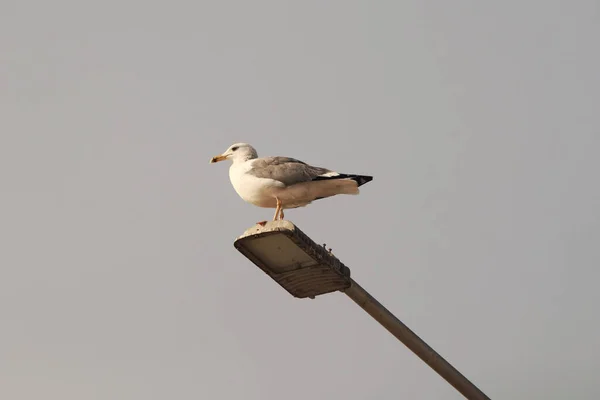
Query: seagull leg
{"points": [[281, 213], [277, 209]]}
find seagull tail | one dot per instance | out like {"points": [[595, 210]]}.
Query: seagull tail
{"points": [[340, 184], [359, 179]]}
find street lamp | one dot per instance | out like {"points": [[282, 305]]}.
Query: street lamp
{"points": [[305, 269]]}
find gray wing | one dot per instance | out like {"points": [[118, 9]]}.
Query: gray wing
{"points": [[286, 170]]}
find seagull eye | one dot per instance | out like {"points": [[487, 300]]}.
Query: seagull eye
{"points": [[234, 148]]}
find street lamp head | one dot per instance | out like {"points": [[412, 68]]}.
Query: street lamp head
{"points": [[293, 260]]}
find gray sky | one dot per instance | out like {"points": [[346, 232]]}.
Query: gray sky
{"points": [[480, 123]]}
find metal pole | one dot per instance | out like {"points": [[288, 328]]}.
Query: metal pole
{"points": [[413, 342]]}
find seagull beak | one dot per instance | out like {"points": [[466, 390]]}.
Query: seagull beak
{"points": [[218, 158]]}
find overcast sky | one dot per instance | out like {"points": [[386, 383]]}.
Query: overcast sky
{"points": [[479, 121]]}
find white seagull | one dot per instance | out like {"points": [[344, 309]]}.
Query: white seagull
{"points": [[283, 182]]}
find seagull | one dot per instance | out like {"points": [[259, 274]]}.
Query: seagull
{"points": [[283, 182]]}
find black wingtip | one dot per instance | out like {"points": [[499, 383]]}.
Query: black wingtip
{"points": [[361, 179]]}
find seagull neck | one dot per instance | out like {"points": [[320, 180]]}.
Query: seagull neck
{"points": [[240, 160]]}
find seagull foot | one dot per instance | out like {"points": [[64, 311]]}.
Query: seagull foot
{"points": [[261, 223]]}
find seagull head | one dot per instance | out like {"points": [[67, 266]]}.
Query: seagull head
{"points": [[236, 152]]}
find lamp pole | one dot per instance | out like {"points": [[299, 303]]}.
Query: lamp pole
{"points": [[382, 315]]}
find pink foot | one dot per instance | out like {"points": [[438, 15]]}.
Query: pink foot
{"points": [[261, 223]]}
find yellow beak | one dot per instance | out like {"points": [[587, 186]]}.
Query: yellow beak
{"points": [[218, 158]]}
